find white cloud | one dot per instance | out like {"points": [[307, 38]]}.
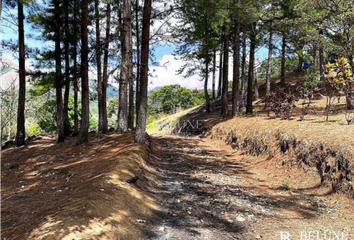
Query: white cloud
{"points": [[166, 74]]}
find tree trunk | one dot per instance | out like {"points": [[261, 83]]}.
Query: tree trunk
{"points": [[11, 103], [269, 67], [225, 74], [206, 94], [243, 77], [299, 63], [282, 71], [67, 75], [137, 94], [124, 73], [58, 76], [85, 110], [21, 132], [98, 62], [351, 62], [214, 70], [131, 85], [76, 114], [314, 55], [321, 57], [141, 113], [249, 107], [236, 71], [220, 71], [256, 92], [105, 72]]}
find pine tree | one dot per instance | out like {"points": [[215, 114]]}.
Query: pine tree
{"points": [[249, 107], [105, 71], [142, 108], [236, 70], [85, 110], [99, 68], [214, 71], [21, 133], [58, 74], [225, 75], [67, 129], [125, 66]]}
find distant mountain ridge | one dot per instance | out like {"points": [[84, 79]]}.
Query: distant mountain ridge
{"points": [[9, 73]]}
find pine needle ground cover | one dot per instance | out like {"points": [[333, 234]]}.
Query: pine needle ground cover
{"points": [[65, 191], [327, 148]]}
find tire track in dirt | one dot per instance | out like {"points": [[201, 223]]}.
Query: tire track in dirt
{"points": [[207, 193], [199, 190]]}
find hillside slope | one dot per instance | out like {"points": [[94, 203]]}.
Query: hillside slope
{"points": [[9, 73], [327, 146], [63, 191]]}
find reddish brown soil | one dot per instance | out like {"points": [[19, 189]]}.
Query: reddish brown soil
{"points": [[62, 191]]}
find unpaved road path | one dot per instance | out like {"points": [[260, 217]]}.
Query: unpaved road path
{"points": [[208, 191]]}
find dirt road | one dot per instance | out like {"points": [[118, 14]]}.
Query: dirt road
{"points": [[209, 191]]}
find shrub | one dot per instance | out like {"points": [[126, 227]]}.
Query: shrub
{"points": [[337, 78], [280, 102], [34, 130]]}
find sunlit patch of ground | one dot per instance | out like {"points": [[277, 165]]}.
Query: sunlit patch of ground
{"points": [[63, 191]]}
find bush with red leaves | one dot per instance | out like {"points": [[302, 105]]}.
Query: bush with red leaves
{"points": [[280, 102], [350, 97]]}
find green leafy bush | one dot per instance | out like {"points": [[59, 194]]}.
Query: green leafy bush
{"points": [[47, 115], [311, 79], [169, 97], [34, 130]]}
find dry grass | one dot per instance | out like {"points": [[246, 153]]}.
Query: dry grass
{"points": [[328, 148], [165, 124]]}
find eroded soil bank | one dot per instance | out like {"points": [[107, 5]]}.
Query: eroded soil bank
{"points": [[207, 190]]}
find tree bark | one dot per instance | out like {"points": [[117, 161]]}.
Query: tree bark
{"points": [[243, 73], [99, 70], [249, 107], [124, 73], [269, 67], [105, 71], [314, 55], [67, 74], [220, 71], [282, 70], [21, 132], [142, 108], [206, 94], [131, 85], [58, 76], [256, 92], [76, 115], [137, 94], [321, 57], [299, 63], [214, 70], [236, 71], [85, 110], [225, 74]]}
